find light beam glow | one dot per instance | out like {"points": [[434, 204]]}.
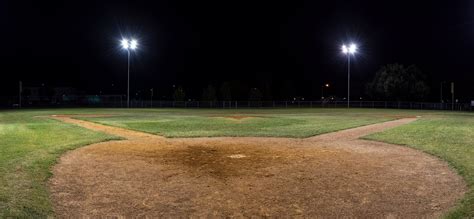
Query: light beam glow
{"points": [[124, 43], [344, 49], [129, 44], [352, 49], [133, 44]]}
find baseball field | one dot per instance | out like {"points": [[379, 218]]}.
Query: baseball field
{"points": [[236, 163]]}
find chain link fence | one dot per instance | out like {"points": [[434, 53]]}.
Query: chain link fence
{"points": [[119, 101]]}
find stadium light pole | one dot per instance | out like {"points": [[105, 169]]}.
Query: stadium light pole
{"points": [[129, 44], [322, 90], [349, 50]]}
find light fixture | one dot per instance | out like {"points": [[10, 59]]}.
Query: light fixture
{"points": [[349, 50], [128, 44]]}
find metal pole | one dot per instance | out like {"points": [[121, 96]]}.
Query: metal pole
{"points": [[19, 94], [322, 92], [348, 79], [441, 92], [452, 95], [128, 79], [151, 99]]}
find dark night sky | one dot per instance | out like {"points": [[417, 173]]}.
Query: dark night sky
{"points": [[249, 43]]}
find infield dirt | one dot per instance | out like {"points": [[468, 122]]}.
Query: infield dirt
{"points": [[330, 175]]}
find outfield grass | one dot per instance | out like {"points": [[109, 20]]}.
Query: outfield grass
{"points": [[449, 137], [30, 145]]}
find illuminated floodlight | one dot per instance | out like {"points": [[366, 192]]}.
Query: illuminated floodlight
{"points": [[351, 49], [344, 49], [129, 44], [133, 44], [124, 43]]}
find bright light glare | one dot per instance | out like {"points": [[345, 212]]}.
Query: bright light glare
{"points": [[344, 49], [133, 44], [351, 49], [124, 43], [129, 44]]}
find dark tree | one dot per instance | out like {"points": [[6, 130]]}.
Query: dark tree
{"points": [[267, 90], [397, 82], [225, 91], [179, 94], [209, 93], [255, 94], [239, 89], [287, 90]]}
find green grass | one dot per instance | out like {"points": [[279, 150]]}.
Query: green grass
{"points": [[268, 123], [449, 137], [30, 145]]}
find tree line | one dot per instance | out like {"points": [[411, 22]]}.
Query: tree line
{"points": [[397, 82], [392, 82], [210, 93]]}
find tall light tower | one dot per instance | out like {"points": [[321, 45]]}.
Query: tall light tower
{"points": [[129, 44], [349, 50], [322, 90]]}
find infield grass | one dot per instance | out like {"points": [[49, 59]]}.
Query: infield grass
{"points": [[232, 123]]}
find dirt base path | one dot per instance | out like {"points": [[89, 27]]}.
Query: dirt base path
{"points": [[330, 175]]}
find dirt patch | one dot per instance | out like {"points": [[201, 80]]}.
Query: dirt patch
{"points": [[395, 116], [85, 115], [220, 161], [129, 134], [331, 175], [237, 117]]}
